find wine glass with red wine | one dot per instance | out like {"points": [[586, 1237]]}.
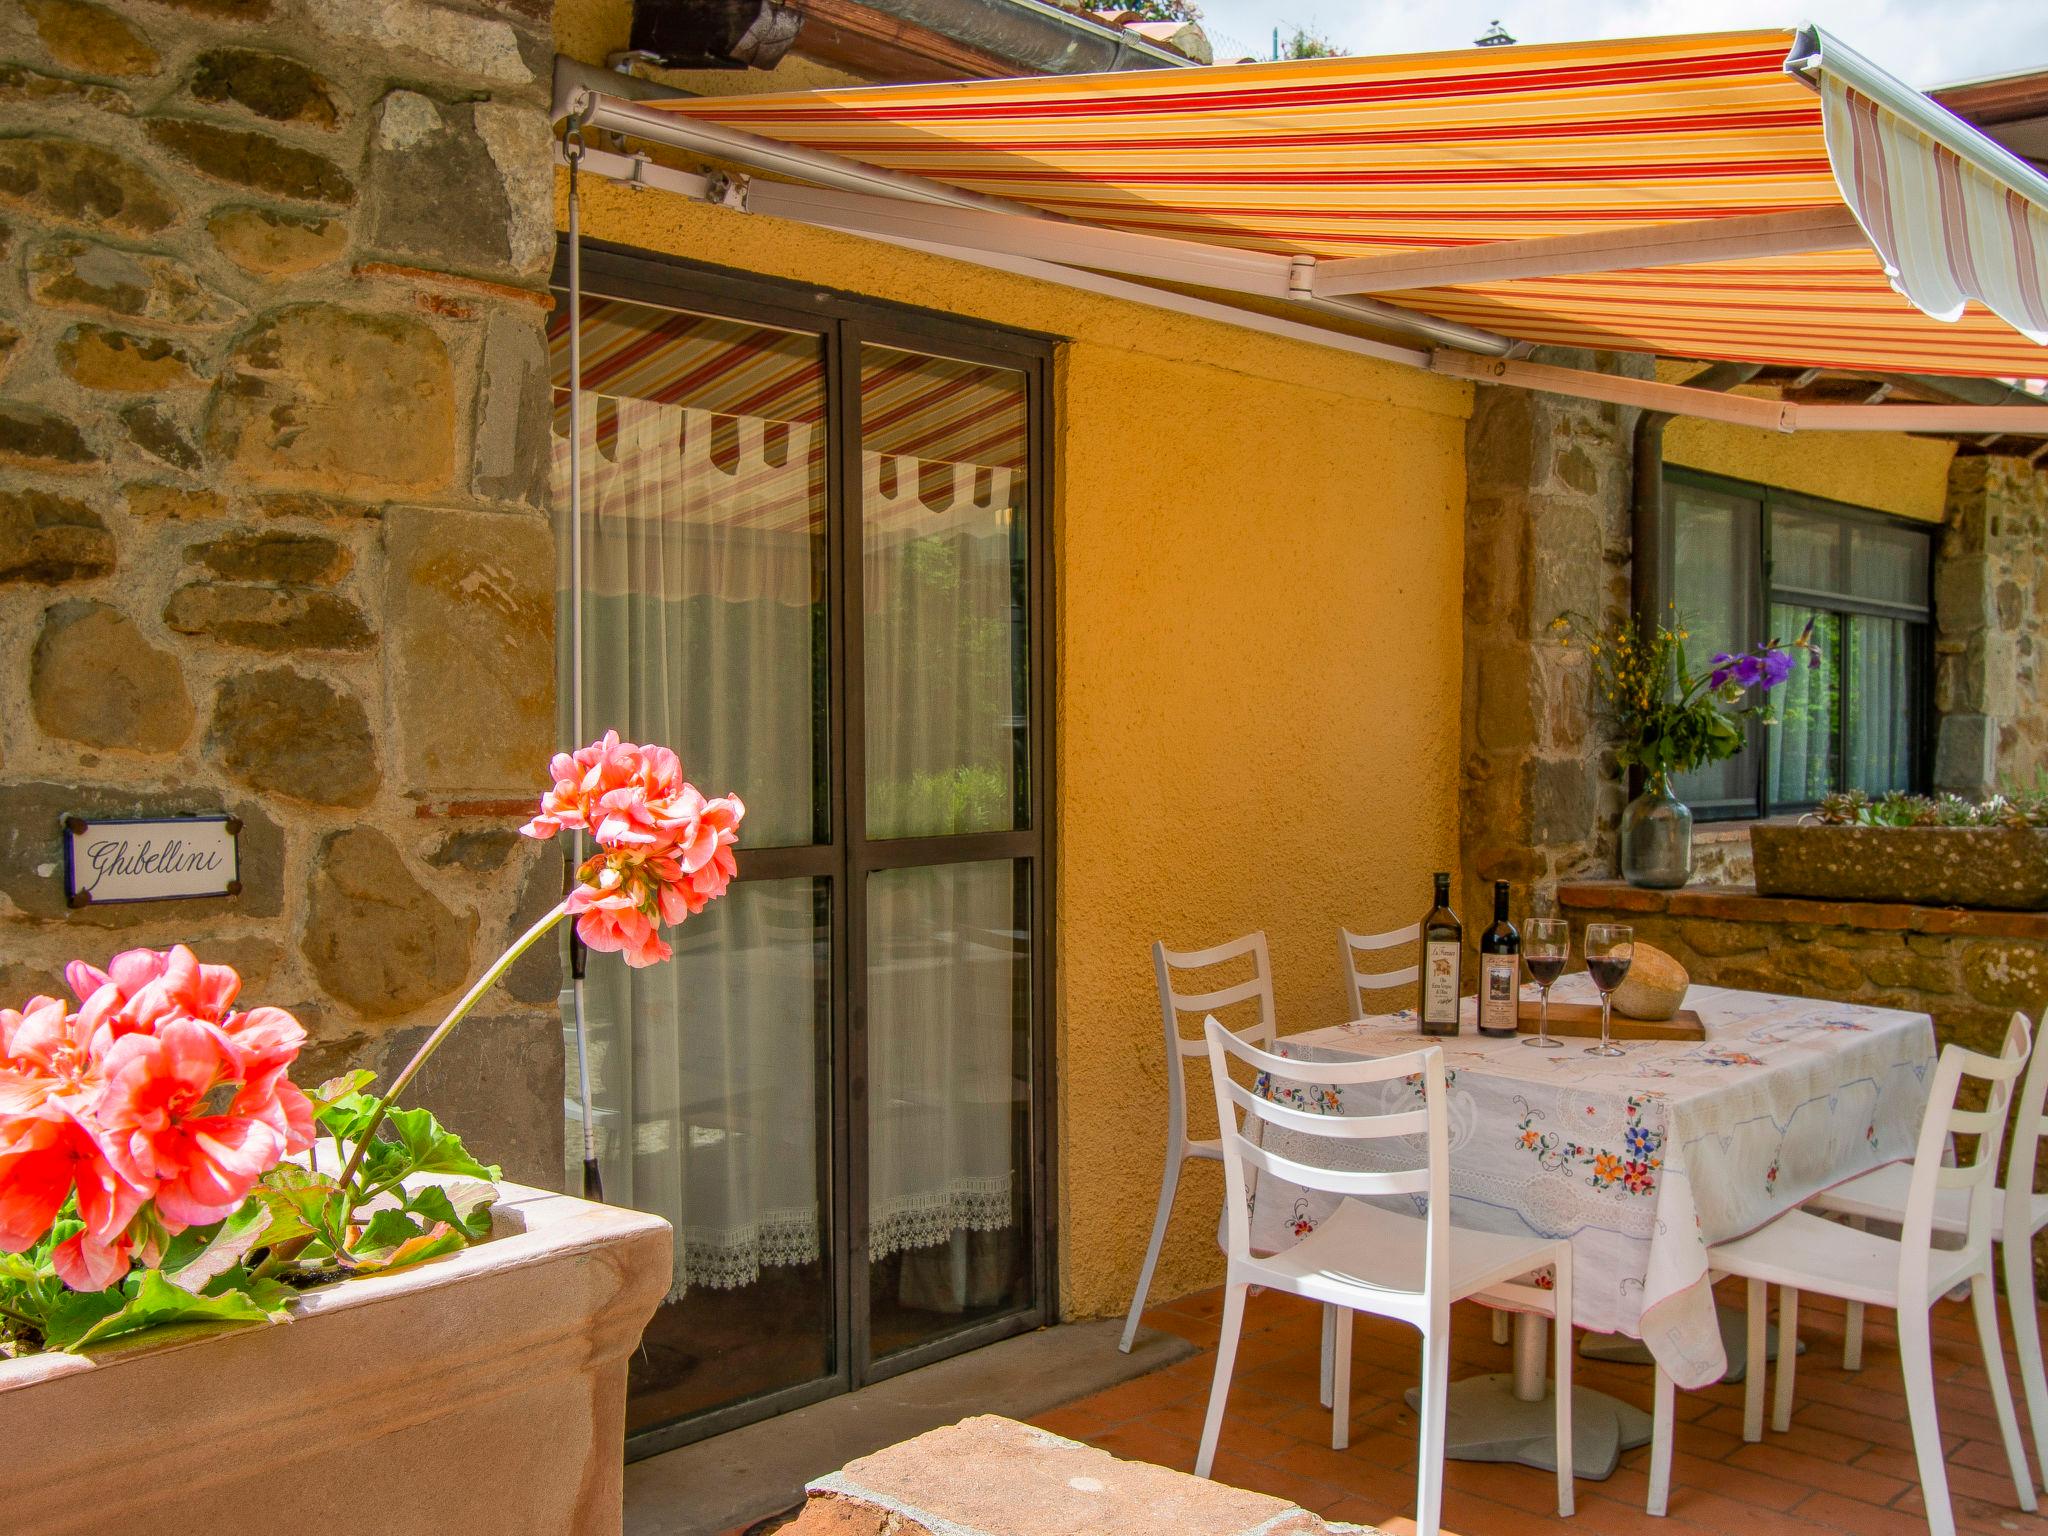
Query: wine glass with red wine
{"points": [[1609, 949], [1546, 946]]}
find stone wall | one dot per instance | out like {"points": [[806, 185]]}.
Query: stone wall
{"points": [[1991, 617], [273, 527], [1547, 531], [1968, 970]]}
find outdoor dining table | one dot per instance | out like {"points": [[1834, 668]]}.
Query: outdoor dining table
{"points": [[1641, 1160]]}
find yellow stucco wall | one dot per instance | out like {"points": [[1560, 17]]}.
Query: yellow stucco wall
{"points": [[1888, 471], [1259, 548], [1885, 470]]}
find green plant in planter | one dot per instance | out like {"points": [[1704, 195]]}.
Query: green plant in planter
{"points": [[157, 1163], [2012, 808]]}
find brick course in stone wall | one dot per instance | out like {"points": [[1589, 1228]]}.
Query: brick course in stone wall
{"points": [[273, 504]]}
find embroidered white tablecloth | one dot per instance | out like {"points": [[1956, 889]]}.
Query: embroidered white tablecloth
{"points": [[1640, 1160]]}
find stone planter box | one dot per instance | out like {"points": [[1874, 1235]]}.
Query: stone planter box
{"points": [[483, 1392], [1995, 867]]}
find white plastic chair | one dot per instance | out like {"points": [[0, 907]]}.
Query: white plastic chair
{"points": [[2016, 1216], [1365, 1259], [1362, 985], [1172, 1004], [1804, 1252]]}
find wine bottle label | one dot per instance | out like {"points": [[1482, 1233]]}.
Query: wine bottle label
{"points": [[1440, 983], [1499, 989]]}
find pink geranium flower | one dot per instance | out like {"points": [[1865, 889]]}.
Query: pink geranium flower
{"points": [[664, 850]]}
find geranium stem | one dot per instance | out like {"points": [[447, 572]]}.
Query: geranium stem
{"points": [[484, 983]]}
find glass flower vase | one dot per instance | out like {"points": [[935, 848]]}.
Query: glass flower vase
{"points": [[1656, 837]]}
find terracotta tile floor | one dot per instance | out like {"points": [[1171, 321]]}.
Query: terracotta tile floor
{"points": [[1846, 1466]]}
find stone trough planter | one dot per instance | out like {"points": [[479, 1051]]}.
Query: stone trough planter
{"points": [[485, 1391], [1997, 867]]}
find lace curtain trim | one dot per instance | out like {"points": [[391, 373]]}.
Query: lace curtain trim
{"points": [[725, 1259]]}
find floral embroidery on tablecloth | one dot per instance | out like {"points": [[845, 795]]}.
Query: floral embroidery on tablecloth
{"points": [[1313, 1098], [1632, 1168], [1301, 1223]]}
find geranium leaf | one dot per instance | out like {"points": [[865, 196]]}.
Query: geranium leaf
{"points": [[75, 1313], [341, 1087], [464, 1204], [387, 1229], [430, 1148], [230, 1244], [416, 1250], [299, 1200], [157, 1302]]}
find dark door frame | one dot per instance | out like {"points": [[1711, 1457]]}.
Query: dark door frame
{"points": [[844, 323]]}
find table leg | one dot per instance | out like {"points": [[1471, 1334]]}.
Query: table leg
{"points": [[1507, 1417]]}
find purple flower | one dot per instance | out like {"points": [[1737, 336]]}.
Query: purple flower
{"points": [[1723, 669], [1777, 666]]}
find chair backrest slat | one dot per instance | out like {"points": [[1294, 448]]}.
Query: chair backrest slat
{"points": [[1341, 1181], [1359, 983], [1313, 1122], [1173, 1003], [1431, 1178], [2026, 1143], [1946, 1118]]}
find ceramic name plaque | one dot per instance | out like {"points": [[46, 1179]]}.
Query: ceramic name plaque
{"points": [[159, 858]]}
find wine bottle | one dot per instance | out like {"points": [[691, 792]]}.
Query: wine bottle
{"points": [[1500, 970], [1443, 955]]}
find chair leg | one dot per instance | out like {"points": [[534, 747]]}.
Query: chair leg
{"points": [[2026, 1334], [1329, 1363], [1753, 1377], [1340, 1381], [1984, 1302], [1664, 1410], [1852, 1323], [1916, 1357], [1561, 1370], [1788, 1357], [1219, 1388], [1429, 1475], [1503, 1326], [1169, 1185]]}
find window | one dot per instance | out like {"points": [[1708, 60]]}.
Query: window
{"points": [[1751, 564], [813, 553]]}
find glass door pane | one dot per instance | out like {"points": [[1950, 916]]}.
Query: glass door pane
{"points": [[944, 592], [704, 628], [1804, 759], [949, 1095]]}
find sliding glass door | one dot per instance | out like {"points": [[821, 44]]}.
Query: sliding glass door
{"points": [[812, 562]]}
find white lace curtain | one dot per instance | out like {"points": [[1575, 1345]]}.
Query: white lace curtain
{"points": [[699, 632]]}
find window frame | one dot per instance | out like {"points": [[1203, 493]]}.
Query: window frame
{"points": [[840, 855], [1764, 593]]}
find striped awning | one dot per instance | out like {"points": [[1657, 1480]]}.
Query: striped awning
{"points": [[1937, 241]]}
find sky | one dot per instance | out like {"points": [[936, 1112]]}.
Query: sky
{"points": [[1923, 42]]}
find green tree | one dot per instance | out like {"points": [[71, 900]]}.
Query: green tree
{"points": [[1307, 43], [1162, 10]]}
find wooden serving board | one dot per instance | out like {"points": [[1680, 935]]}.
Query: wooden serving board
{"points": [[1582, 1020]]}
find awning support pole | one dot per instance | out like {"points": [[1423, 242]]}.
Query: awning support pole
{"points": [[573, 152]]}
